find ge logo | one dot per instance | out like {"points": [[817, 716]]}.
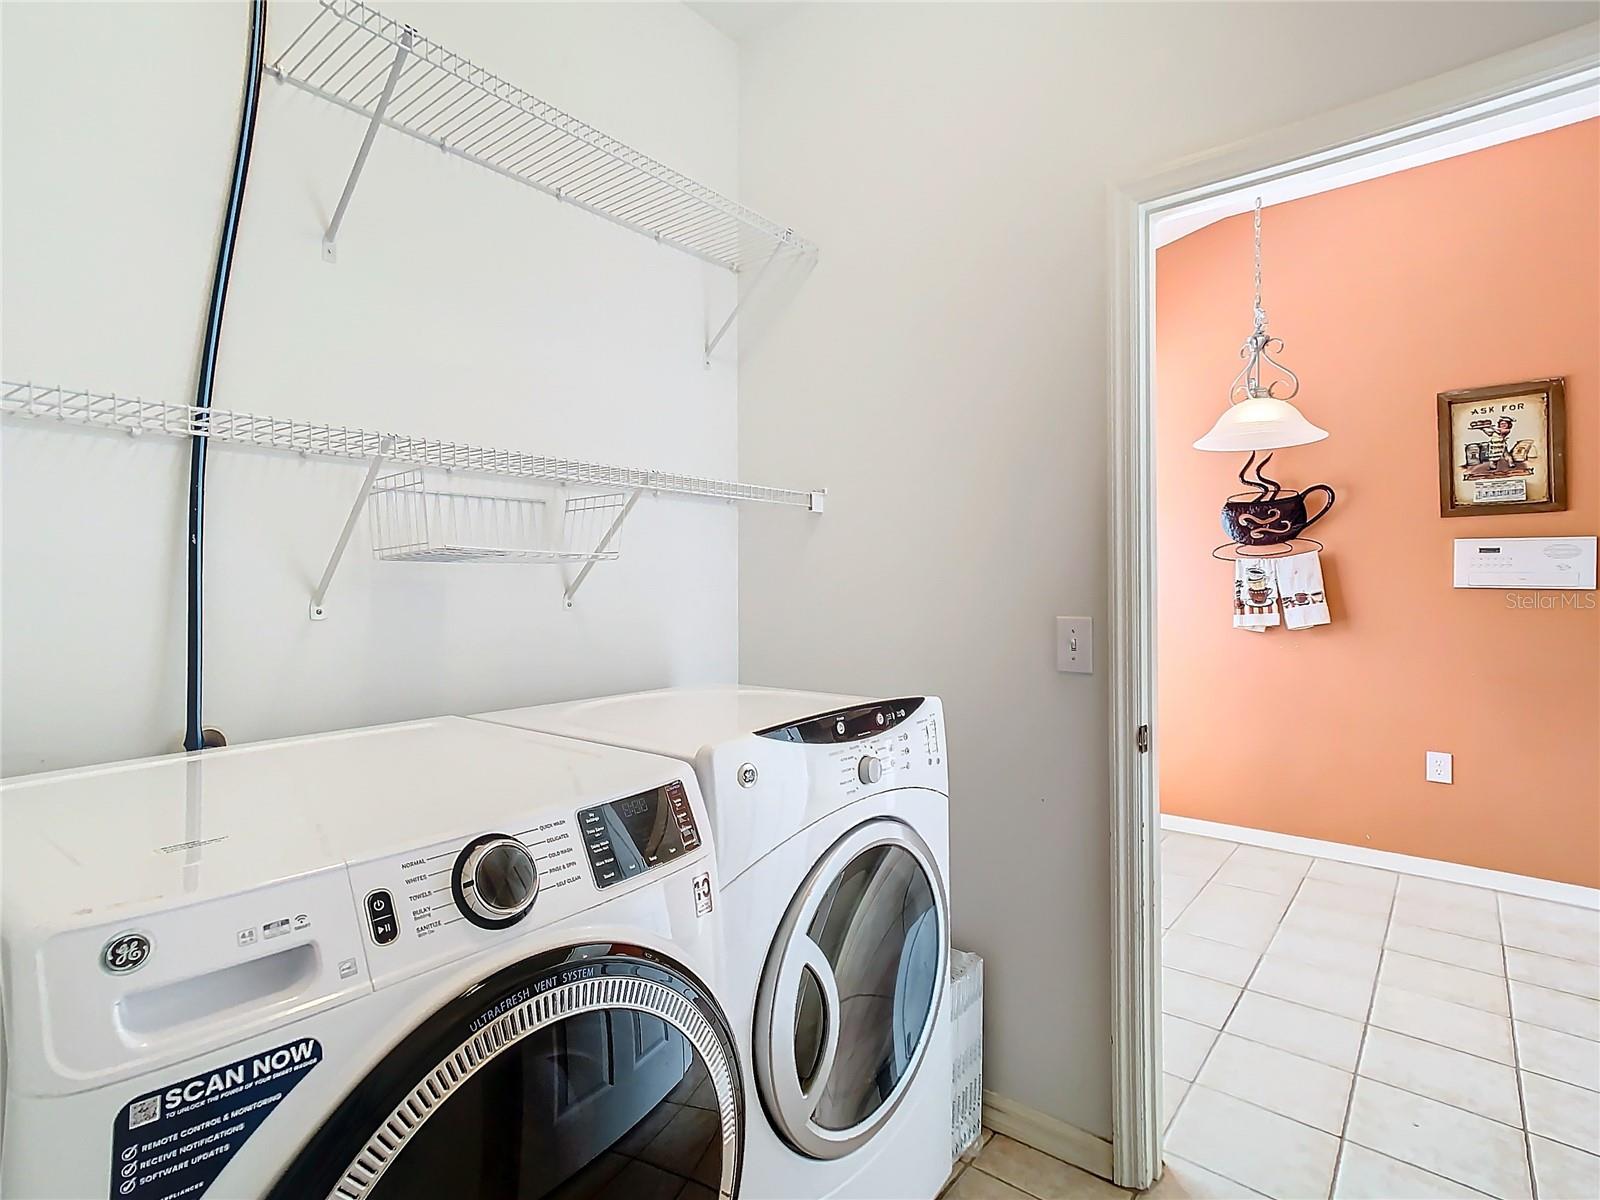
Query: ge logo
{"points": [[124, 953], [748, 775]]}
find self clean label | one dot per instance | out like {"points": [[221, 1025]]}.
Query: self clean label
{"points": [[174, 1142]]}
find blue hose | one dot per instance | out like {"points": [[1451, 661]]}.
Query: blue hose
{"points": [[194, 735]]}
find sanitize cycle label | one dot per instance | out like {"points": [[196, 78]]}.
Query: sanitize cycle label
{"points": [[173, 1143]]}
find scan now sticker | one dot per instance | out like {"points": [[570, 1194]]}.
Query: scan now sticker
{"points": [[174, 1142]]}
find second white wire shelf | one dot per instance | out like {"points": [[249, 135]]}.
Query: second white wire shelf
{"points": [[417, 517], [465, 526], [130, 414]]}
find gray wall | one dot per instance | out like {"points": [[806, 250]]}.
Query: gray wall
{"points": [[943, 369]]}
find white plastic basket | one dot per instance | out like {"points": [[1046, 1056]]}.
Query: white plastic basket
{"points": [[966, 1032], [415, 518]]}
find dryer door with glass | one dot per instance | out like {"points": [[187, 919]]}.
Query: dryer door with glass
{"points": [[851, 989], [588, 1072]]}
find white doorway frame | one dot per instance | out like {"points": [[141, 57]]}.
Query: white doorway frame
{"points": [[1392, 124]]}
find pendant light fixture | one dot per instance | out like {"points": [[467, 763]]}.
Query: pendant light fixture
{"points": [[1259, 416]]}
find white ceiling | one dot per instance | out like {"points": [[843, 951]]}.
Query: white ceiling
{"points": [[741, 19]]}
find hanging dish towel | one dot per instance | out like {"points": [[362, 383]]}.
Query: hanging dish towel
{"points": [[1255, 594], [1300, 585]]}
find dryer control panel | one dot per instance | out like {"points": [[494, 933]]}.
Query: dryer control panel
{"points": [[868, 747]]}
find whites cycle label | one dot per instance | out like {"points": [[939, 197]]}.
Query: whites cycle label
{"points": [[174, 1142]]}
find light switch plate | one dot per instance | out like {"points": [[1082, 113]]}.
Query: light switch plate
{"points": [[1441, 767], [1075, 645]]}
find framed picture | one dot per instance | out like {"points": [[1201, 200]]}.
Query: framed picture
{"points": [[1503, 449]]}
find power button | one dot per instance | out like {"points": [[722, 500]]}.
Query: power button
{"points": [[380, 917]]}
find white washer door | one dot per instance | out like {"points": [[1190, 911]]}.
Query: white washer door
{"points": [[851, 988]]}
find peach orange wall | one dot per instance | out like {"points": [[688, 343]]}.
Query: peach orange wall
{"points": [[1479, 270]]}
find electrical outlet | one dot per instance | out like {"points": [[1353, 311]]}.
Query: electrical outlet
{"points": [[1075, 645], [1441, 767]]}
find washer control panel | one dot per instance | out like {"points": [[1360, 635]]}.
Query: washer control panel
{"points": [[439, 902], [627, 837]]}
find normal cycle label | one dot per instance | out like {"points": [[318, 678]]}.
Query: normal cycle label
{"points": [[174, 1142]]}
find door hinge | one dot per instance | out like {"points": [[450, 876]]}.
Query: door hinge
{"points": [[1141, 740]]}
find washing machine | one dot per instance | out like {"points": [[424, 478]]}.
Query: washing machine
{"points": [[830, 821], [439, 959]]}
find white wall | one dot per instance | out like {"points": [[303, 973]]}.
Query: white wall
{"points": [[943, 368], [462, 306]]}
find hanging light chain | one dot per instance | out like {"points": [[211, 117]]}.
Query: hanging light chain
{"points": [[1260, 345], [1260, 313]]}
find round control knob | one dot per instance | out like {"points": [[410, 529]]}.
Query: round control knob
{"points": [[869, 769], [496, 881]]}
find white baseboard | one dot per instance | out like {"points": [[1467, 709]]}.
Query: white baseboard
{"points": [[1404, 864], [1049, 1134]]}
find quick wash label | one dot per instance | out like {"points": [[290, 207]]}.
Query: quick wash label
{"points": [[174, 1142]]}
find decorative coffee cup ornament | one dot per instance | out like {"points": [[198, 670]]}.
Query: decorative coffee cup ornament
{"points": [[1269, 515]]}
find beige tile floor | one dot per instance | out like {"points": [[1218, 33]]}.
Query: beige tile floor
{"points": [[1004, 1169], [1334, 1030]]}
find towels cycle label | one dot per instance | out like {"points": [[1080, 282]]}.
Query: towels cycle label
{"points": [[174, 1142]]}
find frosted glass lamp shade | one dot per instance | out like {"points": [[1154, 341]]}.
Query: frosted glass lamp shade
{"points": [[1260, 423]]}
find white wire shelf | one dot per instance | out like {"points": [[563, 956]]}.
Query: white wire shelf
{"points": [[136, 416], [353, 56], [416, 518]]}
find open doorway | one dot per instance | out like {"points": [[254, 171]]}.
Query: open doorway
{"points": [[1277, 945]]}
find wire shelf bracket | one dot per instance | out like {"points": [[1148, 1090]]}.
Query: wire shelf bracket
{"points": [[354, 57], [134, 416], [319, 596], [600, 547], [329, 250], [744, 298]]}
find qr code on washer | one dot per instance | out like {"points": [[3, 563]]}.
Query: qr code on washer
{"points": [[143, 1112]]}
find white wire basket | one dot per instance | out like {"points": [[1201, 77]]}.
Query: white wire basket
{"points": [[966, 1033], [417, 519]]}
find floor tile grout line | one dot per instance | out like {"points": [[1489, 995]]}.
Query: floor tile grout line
{"points": [[1204, 883], [1035, 1195], [1472, 937], [1443, 963], [1505, 960], [1271, 1112], [1516, 1055], [1361, 1048], [1506, 1017], [1515, 1020], [1220, 1175], [1211, 1049], [1559, 991], [1471, 1187], [1204, 1058]]}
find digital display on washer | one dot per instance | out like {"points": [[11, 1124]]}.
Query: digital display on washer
{"points": [[846, 724], [628, 837]]}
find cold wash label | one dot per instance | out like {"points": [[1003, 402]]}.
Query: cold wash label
{"points": [[175, 1142]]}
